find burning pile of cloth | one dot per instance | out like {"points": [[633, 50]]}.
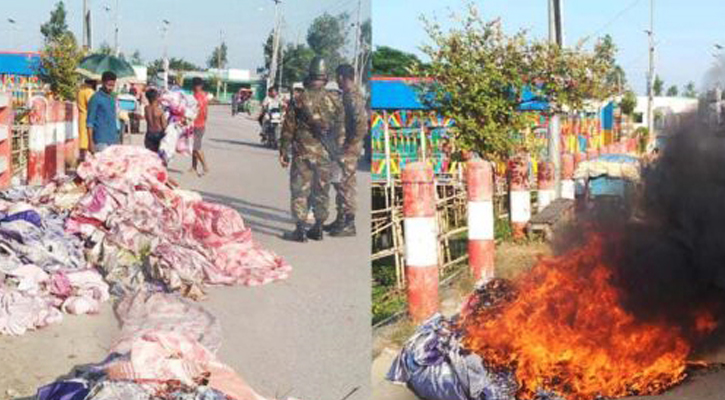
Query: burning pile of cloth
{"points": [[167, 350], [560, 330], [140, 230], [42, 269], [181, 109]]}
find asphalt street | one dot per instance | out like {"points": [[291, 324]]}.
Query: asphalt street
{"points": [[307, 337]]}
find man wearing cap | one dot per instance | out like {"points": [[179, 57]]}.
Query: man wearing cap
{"points": [[356, 127], [308, 139]]}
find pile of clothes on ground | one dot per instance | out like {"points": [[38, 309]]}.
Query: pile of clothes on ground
{"points": [[43, 271], [166, 351], [435, 365], [181, 109], [117, 223]]}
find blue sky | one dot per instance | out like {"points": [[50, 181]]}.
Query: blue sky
{"points": [[686, 30], [195, 29]]}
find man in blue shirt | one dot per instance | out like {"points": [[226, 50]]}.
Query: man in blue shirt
{"points": [[102, 118]]}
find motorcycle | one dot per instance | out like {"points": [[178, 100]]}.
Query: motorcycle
{"points": [[272, 128]]}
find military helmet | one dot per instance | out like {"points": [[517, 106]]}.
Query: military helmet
{"points": [[318, 69]]}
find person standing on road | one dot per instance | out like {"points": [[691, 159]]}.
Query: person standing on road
{"points": [[84, 97], [307, 129], [102, 120], [356, 127], [155, 122], [202, 99]]}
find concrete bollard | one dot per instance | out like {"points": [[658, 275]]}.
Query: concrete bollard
{"points": [[519, 195], [71, 135], [421, 240], [60, 134], [547, 191], [481, 248], [36, 139], [568, 191]]}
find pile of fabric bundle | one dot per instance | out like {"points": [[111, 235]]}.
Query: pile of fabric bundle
{"points": [[181, 109], [42, 268], [166, 351], [141, 230]]}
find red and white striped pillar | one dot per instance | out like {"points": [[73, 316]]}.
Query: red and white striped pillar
{"points": [[51, 145], [481, 248], [579, 158], [6, 123], [519, 195], [60, 135], [568, 190], [71, 135], [547, 191], [421, 240], [36, 141]]}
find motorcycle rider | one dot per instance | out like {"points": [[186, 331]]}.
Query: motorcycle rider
{"points": [[272, 109]]}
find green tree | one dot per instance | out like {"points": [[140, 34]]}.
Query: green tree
{"points": [[56, 27], [480, 73], [605, 52], [327, 37], [672, 91], [59, 56], [58, 62], [176, 64], [104, 49], [689, 90], [218, 57], [296, 62], [388, 61], [628, 103], [658, 86], [136, 58], [366, 49]]}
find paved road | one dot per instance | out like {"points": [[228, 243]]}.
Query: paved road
{"points": [[306, 337]]}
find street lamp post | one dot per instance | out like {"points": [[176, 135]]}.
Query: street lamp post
{"points": [[165, 30]]}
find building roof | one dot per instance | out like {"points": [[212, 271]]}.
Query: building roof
{"points": [[408, 94], [19, 63]]}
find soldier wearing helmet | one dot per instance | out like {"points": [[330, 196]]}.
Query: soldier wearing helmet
{"points": [[308, 145]]}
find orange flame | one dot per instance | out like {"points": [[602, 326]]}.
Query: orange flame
{"points": [[565, 332]]}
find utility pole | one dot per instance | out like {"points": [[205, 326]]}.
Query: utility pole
{"points": [[87, 42], [219, 63], [117, 49], [275, 46], [651, 73], [358, 37], [281, 68], [556, 37], [165, 31]]}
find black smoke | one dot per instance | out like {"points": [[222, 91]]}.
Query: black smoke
{"points": [[669, 254]]}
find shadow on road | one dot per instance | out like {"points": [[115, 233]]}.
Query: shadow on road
{"points": [[240, 143], [256, 216]]}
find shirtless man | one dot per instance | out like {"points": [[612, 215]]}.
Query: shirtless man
{"points": [[155, 121]]}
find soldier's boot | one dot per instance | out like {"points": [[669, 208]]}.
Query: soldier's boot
{"points": [[298, 235], [335, 225], [316, 233], [347, 229]]}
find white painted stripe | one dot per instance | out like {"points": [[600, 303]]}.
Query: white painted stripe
{"points": [[568, 189], [480, 220], [421, 247], [49, 134], [520, 206], [36, 138], [546, 196], [3, 164], [4, 132], [60, 132]]}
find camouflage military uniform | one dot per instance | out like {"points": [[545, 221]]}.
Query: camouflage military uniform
{"points": [[310, 170], [356, 127]]}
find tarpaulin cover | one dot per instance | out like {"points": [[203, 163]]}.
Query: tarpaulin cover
{"points": [[434, 366], [408, 94], [611, 165], [25, 64]]}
